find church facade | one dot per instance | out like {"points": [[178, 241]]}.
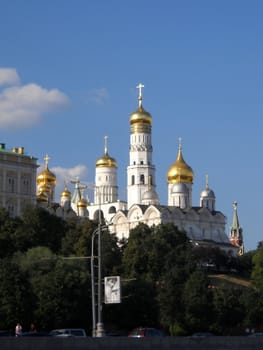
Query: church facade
{"points": [[203, 224]]}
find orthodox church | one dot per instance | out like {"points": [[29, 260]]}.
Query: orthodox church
{"points": [[203, 224]]}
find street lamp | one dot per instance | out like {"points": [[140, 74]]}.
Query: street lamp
{"points": [[93, 284], [100, 329], [97, 328]]}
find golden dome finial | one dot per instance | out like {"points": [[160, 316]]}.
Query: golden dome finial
{"points": [[140, 87]]}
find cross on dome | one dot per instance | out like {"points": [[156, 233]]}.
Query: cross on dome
{"points": [[140, 87], [105, 145], [206, 181], [46, 159], [180, 143]]}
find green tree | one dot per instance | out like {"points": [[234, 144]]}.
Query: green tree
{"points": [[39, 228], [15, 295], [198, 302], [8, 227], [257, 271], [228, 310], [160, 255], [252, 301]]}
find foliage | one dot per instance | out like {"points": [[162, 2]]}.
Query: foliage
{"points": [[45, 277], [39, 228], [228, 309], [198, 302], [257, 273]]}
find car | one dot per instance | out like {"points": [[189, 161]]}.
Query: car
{"points": [[35, 334], [257, 334], [141, 332], [68, 332]]}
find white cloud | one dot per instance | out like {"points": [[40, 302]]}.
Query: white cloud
{"points": [[62, 174], [98, 96], [68, 174], [22, 106], [9, 76]]}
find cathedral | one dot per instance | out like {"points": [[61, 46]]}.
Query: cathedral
{"points": [[203, 224]]}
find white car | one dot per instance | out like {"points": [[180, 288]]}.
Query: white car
{"points": [[68, 332]]}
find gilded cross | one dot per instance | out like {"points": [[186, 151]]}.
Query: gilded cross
{"points": [[140, 87], [46, 159]]}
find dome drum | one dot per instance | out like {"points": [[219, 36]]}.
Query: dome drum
{"points": [[140, 128]]}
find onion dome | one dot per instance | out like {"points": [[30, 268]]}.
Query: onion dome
{"points": [[140, 120], [180, 171], [44, 189], [42, 198], [46, 176], [141, 116], [207, 192], [82, 203], [106, 160], [66, 193]]}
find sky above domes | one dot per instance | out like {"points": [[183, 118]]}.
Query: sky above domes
{"points": [[68, 77]]}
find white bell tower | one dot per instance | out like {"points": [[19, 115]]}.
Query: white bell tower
{"points": [[141, 171]]}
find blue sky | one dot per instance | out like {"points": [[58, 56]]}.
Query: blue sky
{"points": [[68, 76]]}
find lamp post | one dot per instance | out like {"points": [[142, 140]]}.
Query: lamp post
{"points": [[97, 328], [93, 284], [100, 329]]}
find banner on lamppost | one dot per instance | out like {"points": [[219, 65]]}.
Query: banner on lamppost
{"points": [[112, 290]]}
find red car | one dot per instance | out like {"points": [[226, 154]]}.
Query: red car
{"points": [[142, 332]]}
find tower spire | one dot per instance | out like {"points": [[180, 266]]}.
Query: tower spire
{"points": [[236, 236]]}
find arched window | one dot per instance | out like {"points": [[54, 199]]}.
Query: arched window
{"points": [[142, 179], [132, 180]]}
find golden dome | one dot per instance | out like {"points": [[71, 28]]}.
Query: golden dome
{"points": [[46, 176], [141, 116], [180, 171], [66, 193], [106, 160], [44, 189], [42, 198], [82, 203]]}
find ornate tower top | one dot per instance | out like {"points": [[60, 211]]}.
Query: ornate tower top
{"points": [[236, 232]]}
